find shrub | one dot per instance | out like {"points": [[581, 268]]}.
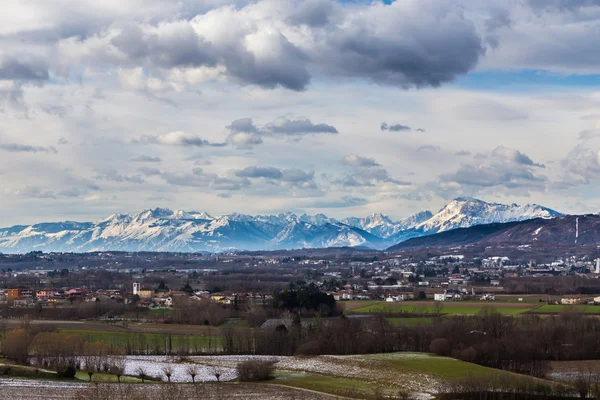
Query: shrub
{"points": [[66, 371], [440, 347], [255, 370]]}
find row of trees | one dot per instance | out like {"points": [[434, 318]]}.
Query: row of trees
{"points": [[523, 345]]}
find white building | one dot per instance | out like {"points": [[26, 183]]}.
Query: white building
{"points": [[136, 288]]}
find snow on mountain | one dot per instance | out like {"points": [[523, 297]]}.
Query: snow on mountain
{"points": [[465, 212], [161, 229], [381, 225]]}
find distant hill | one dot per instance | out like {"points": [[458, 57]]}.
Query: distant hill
{"points": [[564, 230]]}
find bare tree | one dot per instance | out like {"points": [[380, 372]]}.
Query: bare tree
{"points": [[216, 372], [118, 367], [192, 371], [168, 371], [141, 373]]}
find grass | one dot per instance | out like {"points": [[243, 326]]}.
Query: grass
{"points": [[410, 321], [236, 322], [351, 305], [558, 308], [100, 377], [361, 376], [136, 340], [21, 371], [442, 367], [456, 308], [336, 386]]}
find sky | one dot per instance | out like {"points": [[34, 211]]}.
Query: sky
{"points": [[345, 108]]}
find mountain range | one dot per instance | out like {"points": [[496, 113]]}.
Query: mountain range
{"points": [[563, 230], [162, 229]]}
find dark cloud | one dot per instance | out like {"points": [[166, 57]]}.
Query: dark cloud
{"points": [[260, 172], [394, 128], [24, 148], [499, 18], [177, 46], [420, 51], [398, 128], [411, 45], [244, 133], [245, 125], [293, 175], [284, 126], [146, 158], [14, 69], [313, 13]]}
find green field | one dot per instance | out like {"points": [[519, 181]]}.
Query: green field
{"points": [[442, 367], [350, 388], [376, 375], [135, 340], [455, 308], [558, 308]]}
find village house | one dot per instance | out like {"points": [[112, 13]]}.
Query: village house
{"points": [[449, 295], [19, 293], [571, 300]]}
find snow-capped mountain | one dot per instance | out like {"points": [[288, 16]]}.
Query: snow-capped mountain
{"points": [[381, 225], [465, 212], [162, 229]]}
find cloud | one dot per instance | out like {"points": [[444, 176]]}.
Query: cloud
{"points": [[394, 128], [20, 70], [313, 13], [581, 166], [244, 133], [562, 5], [283, 44], [343, 202], [284, 126], [354, 160], [428, 148], [367, 177], [178, 138], [515, 156], [146, 158], [502, 168], [114, 176], [62, 141], [588, 134], [463, 153], [24, 148], [148, 171], [260, 172], [198, 178], [293, 175]]}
